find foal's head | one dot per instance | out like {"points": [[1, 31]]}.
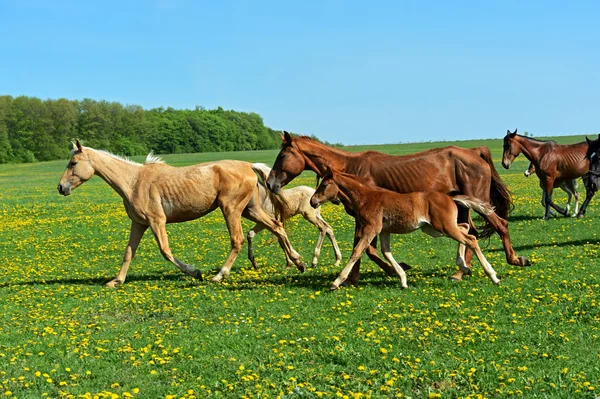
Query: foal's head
{"points": [[328, 190], [511, 149], [79, 170], [288, 164], [592, 178]]}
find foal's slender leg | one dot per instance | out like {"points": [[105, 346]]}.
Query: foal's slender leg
{"points": [[357, 252], [135, 235], [250, 237], [324, 229], [465, 254], [160, 233], [387, 252]]}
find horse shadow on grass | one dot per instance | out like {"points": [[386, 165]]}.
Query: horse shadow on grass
{"points": [[550, 244], [94, 280]]}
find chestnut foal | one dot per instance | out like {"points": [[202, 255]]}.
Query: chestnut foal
{"points": [[386, 212]]}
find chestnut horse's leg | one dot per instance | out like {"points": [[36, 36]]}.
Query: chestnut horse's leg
{"points": [[135, 235], [250, 237], [324, 230], [160, 233], [548, 185], [470, 241], [387, 252], [359, 249]]}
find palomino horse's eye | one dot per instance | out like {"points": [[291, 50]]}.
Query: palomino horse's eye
{"points": [[73, 163]]}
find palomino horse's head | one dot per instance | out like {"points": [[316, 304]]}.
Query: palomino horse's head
{"points": [[592, 178], [79, 170], [328, 190], [511, 149], [288, 164]]}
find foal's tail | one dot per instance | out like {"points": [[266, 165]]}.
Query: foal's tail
{"points": [[478, 206], [277, 201], [499, 193]]}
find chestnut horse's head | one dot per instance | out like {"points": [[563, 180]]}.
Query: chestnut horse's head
{"points": [[511, 149], [288, 164], [79, 170], [328, 190], [592, 178]]}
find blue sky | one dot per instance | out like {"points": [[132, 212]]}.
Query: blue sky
{"points": [[345, 71]]}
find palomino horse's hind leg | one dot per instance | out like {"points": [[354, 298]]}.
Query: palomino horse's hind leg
{"points": [[359, 249], [324, 230], [160, 233], [135, 235], [387, 252], [255, 213], [233, 220]]}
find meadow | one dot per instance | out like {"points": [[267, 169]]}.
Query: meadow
{"points": [[275, 333]]}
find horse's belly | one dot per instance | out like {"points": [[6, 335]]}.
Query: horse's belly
{"points": [[398, 225]]}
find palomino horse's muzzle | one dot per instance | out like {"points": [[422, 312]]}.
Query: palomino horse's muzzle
{"points": [[63, 190]]}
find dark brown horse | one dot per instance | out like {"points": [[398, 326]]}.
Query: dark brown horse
{"points": [[450, 170], [554, 164], [591, 179]]}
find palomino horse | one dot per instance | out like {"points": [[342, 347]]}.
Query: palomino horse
{"points": [[155, 194], [289, 203], [383, 212], [568, 186], [449, 170], [554, 163]]}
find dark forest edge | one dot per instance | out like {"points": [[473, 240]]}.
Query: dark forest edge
{"points": [[34, 130]]}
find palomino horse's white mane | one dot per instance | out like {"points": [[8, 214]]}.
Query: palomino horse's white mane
{"points": [[151, 158]]}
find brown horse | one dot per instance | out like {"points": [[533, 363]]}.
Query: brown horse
{"points": [[155, 194], [449, 170], [383, 212], [554, 163], [568, 186]]}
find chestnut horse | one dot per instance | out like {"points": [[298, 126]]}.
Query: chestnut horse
{"points": [[554, 163], [568, 186], [449, 170], [383, 212], [155, 194]]}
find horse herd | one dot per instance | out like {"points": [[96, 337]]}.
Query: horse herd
{"points": [[433, 191]]}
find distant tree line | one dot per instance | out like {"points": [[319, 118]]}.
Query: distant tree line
{"points": [[41, 130]]}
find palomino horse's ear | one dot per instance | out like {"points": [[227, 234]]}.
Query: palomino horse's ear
{"points": [[287, 137], [78, 145]]}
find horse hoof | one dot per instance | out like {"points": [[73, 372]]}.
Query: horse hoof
{"points": [[333, 287], [580, 216], [456, 279], [337, 263], [301, 267], [405, 266], [497, 282], [217, 279], [523, 261], [113, 284], [197, 274]]}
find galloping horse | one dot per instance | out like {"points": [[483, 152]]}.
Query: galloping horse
{"points": [[155, 194], [568, 186], [449, 170], [285, 205], [383, 212], [554, 163]]}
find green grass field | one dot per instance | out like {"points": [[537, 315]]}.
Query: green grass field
{"points": [[277, 333]]}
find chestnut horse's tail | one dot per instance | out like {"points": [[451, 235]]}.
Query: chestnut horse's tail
{"points": [[277, 202], [477, 205], [499, 194]]}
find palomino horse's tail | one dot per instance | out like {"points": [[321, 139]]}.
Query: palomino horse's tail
{"points": [[499, 194], [478, 206], [277, 201]]}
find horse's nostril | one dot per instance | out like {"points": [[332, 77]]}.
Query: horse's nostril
{"points": [[268, 185], [59, 189]]}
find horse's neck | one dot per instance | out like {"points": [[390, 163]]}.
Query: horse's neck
{"points": [[530, 148], [352, 189], [119, 174], [320, 156]]}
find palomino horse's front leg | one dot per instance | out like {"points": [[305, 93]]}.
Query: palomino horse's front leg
{"points": [[233, 220], [359, 249], [160, 233], [135, 235]]}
